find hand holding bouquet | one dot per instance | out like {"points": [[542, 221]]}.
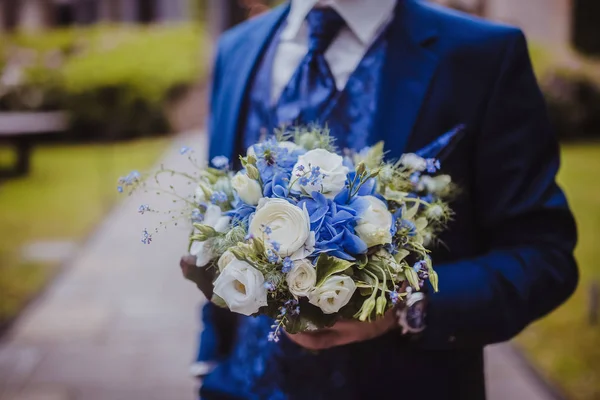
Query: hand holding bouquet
{"points": [[308, 236]]}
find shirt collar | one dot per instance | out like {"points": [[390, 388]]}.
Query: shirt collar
{"points": [[365, 18]]}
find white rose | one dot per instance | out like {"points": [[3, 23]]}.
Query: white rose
{"points": [[242, 287], [333, 294], [248, 189], [225, 259], [413, 162], [302, 278], [214, 218], [331, 167], [288, 225], [435, 185], [375, 223]]}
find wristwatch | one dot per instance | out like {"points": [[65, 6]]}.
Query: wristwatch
{"points": [[411, 317]]}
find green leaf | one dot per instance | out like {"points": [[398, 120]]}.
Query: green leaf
{"points": [[327, 266], [218, 301], [434, 279]]}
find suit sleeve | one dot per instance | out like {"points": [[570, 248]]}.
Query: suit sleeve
{"points": [[528, 269]]}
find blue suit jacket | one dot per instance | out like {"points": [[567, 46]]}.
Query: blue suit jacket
{"points": [[509, 250]]}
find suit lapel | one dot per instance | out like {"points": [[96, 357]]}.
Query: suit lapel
{"points": [[237, 76], [407, 73]]}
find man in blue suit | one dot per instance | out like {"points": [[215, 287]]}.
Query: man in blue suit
{"points": [[403, 71]]}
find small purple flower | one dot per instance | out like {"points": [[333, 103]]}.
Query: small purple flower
{"points": [[146, 237], [394, 297], [220, 162], [272, 257], [276, 245], [300, 168], [267, 230], [433, 165], [184, 150], [120, 189], [287, 265], [143, 208], [303, 181], [197, 216], [270, 286], [296, 311], [419, 265]]}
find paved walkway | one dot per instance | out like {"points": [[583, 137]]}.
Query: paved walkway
{"points": [[121, 323]]}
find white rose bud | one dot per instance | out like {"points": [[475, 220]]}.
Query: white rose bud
{"points": [[375, 223], [333, 294], [214, 218], [302, 278], [248, 189], [288, 224], [332, 171], [242, 287], [225, 259], [413, 162]]}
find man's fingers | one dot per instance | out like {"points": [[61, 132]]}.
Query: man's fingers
{"points": [[201, 276]]}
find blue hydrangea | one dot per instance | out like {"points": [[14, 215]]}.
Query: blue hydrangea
{"points": [[333, 225]]}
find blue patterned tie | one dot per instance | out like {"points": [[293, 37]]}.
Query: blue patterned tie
{"points": [[312, 87]]}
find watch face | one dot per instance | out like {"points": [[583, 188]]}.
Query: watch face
{"points": [[415, 315]]}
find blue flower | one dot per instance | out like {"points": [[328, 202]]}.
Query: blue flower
{"points": [[146, 237], [276, 246], [184, 150], [197, 216], [218, 198], [120, 189], [287, 265], [241, 214], [272, 257], [143, 208], [270, 286], [273, 159], [394, 297], [419, 265], [433, 165], [220, 162], [333, 225]]}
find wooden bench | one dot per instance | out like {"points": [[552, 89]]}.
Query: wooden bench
{"points": [[20, 129]]}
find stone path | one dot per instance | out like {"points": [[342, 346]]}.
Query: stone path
{"points": [[121, 323]]}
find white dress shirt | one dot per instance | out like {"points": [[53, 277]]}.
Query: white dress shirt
{"points": [[365, 20]]}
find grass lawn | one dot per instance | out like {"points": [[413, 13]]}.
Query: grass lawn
{"points": [[69, 189], [564, 345]]}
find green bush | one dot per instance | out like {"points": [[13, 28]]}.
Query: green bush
{"points": [[573, 100], [572, 95], [115, 81]]}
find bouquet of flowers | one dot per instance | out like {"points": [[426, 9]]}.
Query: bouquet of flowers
{"points": [[307, 235]]}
